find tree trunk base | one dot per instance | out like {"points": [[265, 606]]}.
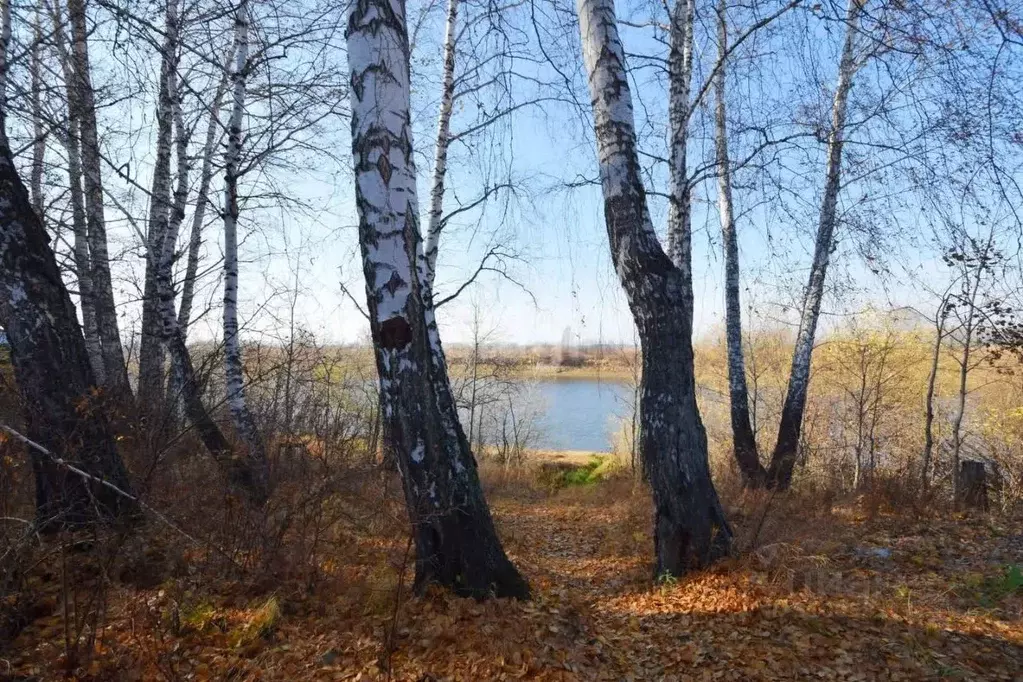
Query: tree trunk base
{"points": [[972, 486], [752, 472], [455, 552], [687, 544]]}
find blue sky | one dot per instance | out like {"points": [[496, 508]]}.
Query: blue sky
{"points": [[565, 270], [558, 233]]}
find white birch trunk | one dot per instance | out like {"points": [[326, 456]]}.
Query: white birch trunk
{"points": [[177, 216], [690, 529], [744, 444], [79, 223], [213, 135], [440, 164], [38, 128], [180, 203], [234, 377], [202, 200], [680, 74], [784, 457], [152, 357], [456, 544], [103, 293], [246, 473]]}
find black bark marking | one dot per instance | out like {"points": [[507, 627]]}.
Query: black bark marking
{"points": [[384, 167], [394, 283]]}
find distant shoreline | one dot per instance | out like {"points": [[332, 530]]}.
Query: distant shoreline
{"points": [[542, 456], [570, 373]]}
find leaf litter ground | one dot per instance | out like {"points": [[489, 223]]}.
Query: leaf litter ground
{"points": [[821, 593]]}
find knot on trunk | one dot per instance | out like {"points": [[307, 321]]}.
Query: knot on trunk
{"points": [[395, 333]]}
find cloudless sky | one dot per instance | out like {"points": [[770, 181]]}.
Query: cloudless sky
{"points": [[302, 263]]}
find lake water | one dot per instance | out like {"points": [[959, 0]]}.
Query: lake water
{"points": [[554, 414], [579, 414]]}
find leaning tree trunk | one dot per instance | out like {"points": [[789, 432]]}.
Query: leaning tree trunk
{"points": [[435, 223], [172, 405], [202, 198], [456, 543], [247, 473], [152, 356], [106, 312], [783, 460], [744, 442], [690, 529], [234, 378], [51, 367]]}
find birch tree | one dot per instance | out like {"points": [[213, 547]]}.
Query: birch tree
{"points": [[744, 443], [783, 459], [51, 365], [244, 423], [103, 294], [456, 543], [243, 472], [680, 75], [690, 529], [485, 77], [431, 244], [70, 138], [152, 357], [214, 133]]}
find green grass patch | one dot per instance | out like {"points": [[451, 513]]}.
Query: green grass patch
{"points": [[558, 475]]}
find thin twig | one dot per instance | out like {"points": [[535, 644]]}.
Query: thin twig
{"points": [[59, 461], [389, 644]]}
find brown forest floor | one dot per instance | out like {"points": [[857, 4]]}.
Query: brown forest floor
{"points": [[816, 600]]}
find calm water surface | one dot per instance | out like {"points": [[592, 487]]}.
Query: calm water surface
{"points": [[580, 414]]}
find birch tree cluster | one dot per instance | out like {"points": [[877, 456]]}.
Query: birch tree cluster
{"points": [[155, 159]]}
